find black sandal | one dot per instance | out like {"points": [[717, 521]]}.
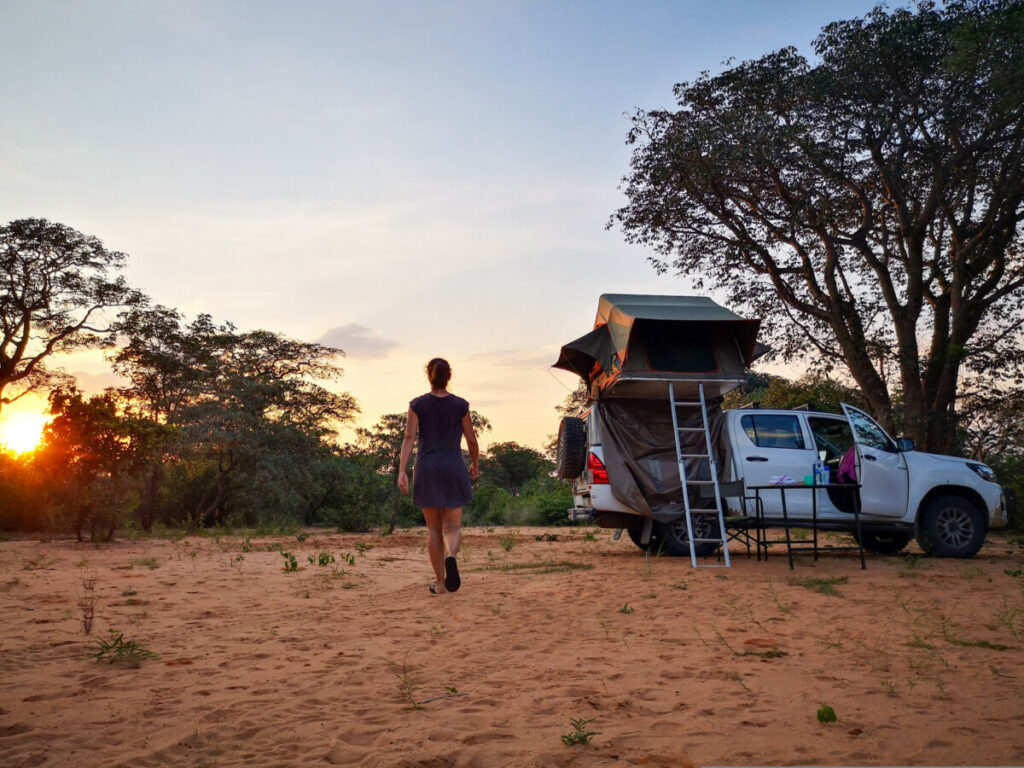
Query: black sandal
{"points": [[452, 581]]}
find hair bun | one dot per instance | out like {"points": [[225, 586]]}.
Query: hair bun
{"points": [[439, 373]]}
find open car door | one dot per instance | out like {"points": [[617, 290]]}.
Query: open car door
{"points": [[881, 468]]}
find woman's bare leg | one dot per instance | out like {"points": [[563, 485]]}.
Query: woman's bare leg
{"points": [[435, 545], [452, 521]]}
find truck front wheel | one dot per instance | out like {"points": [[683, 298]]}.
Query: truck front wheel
{"points": [[951, 526]]}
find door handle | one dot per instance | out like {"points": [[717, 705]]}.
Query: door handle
{"points": [[756, 458], [869, 457]]}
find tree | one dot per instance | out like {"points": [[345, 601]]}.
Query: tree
{"points": [[869, 203], [56, 286], [89, 453], [813, 390], [511, 466], [249, 410], [576, 402]]}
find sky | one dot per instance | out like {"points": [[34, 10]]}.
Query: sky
{"points": [[403, 179]]}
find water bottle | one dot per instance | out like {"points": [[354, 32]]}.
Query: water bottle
{"points": [[819, 471], [824, 473]]}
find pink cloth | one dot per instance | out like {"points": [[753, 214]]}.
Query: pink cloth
{"points": [[847, 472]]}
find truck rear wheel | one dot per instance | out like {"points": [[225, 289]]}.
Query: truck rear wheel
{"points": [[571, 459], [951, 526], [885, 543], [635, 529], [674, 539]]}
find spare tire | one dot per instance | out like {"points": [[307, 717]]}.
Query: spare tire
{"points": [[572, 448]]}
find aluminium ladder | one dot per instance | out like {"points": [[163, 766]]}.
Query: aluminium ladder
{"points": [[688, 484]]}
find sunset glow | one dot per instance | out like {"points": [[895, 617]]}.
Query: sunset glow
{"points": [[21, 432]]}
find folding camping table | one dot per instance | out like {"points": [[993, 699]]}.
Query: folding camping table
{"points": [[765, 523]]}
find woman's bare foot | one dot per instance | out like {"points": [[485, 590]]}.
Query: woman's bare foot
{"points": [[438, 588]]}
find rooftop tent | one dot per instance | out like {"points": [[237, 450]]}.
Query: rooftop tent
{"points": [[639, 342]]}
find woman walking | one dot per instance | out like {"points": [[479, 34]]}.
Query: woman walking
{"points": [[441, 485]]}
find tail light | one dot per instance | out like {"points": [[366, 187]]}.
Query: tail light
{"points": [[598, 473]]}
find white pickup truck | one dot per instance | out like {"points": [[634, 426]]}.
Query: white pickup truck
{"points": [[947, 503]]}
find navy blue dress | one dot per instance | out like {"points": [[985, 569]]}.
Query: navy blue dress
{"points": [[440, 477]]}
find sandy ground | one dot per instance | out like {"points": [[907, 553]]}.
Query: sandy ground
{"points": [[354, 663]]}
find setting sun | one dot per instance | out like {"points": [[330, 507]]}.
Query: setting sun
{"points": [[21, 432]]}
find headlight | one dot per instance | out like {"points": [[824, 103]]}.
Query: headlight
{"points": [[985, 473]]}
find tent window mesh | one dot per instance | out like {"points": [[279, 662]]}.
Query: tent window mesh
{"points": [[668, 350]]}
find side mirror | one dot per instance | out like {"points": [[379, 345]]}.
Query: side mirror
{"points": [[904, 444]]}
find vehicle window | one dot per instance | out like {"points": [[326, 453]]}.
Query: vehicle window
{"points": [[773, 430], [830, 435], [869, 434]]}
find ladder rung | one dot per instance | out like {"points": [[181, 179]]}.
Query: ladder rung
{"points": [[700, 482], [691, 405], [711, 565], [702, 509], [691, 429], [708, 541], [694, 456]]}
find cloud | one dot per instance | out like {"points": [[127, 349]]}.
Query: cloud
{"points": [[357, 341], [515, 358]]}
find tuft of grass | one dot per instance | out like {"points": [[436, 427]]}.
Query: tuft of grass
{"points": [[591, 534], [541, 566], [980, 644], [627, 609], [147, 562], [407, 686], [826, 714], [508, 541], [826, 584], [649, 561], [323, 559], [362, 547], [37, 563], [771, 653], [87, 601], [291, 565], [117, 650], [579, 733]]}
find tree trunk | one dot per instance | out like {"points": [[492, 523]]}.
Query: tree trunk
{"points": [[147, 503]]}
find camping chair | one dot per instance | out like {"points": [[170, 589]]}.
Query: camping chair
{"points": [[743, 528]]}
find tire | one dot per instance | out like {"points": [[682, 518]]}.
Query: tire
{"points": [[635, 529], [951, 526], [572, 448], [673, 538], [885, 543]]}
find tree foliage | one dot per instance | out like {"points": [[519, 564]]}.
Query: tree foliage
{"points": [[89, 452], [511, 466], [813, 390], [250, 410], [868, 202], [57, 287]]}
